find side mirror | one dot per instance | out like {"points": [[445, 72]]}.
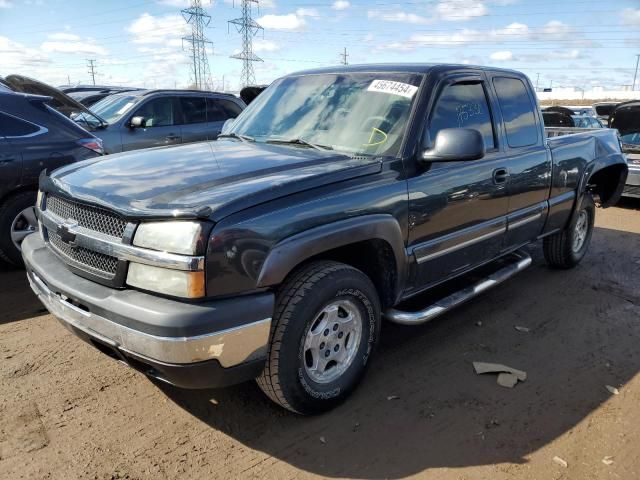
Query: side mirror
{"points": [[226, 126], [455, 144], [137, 122]]}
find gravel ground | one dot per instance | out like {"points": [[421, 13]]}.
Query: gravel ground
{"points": [[67, 411]]}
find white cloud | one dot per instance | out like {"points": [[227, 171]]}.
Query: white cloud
{"points": [[5, 4], [555, 29], [512, 30], [341, 5], [398, 16], [160, 31], [260, 45], [63, 37], [175, 3], [290, 21], [503, 56], [15, 57], [460, 10], [70, 43], [631, 16]]}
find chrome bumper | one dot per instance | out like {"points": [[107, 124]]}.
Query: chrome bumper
{"points": [[230, 347]]}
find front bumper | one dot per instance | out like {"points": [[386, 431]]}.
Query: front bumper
{"points": [[192, 345]]}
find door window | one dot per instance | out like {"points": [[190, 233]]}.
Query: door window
{"points": [[11, 126], [463, 105], [231, 109], [157, 112], [517, 111], [194, 109]]}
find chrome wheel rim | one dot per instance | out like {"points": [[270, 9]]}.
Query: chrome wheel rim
{"points": [[332, 341], [580, 231], [24, 224]]}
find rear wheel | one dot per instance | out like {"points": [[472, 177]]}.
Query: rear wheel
{"points": [[567, 248], [17, 220], [325, 327]]}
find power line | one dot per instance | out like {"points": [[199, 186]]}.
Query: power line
{"points": [[248, 28], [635, 75], [198, 19], [92, 69]]}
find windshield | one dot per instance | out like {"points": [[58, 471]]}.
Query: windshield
{"points": [[110, 108], [354, 113]]}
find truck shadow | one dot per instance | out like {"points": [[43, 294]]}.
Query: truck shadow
{"points": [[17, 301], [421, 406]]}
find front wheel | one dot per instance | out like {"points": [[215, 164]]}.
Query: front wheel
{"points": [[17, 220], [325, 327], [567, 248]]}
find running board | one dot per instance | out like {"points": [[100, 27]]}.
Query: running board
{"points": [[521, 260]]}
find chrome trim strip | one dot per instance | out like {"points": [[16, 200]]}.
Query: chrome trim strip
{"points": [[230, 347], [524, 221], [112, 246], [521, 260], [461, 245]]}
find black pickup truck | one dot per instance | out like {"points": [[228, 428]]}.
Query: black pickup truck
{"points": [[335, 197]]}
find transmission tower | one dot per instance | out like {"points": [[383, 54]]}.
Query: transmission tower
{"points": [[196, 16], [344, 56], [248, 28], [92, 69]]}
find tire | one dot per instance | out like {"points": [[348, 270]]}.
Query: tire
{"points": [[560, 248], [308, 307], [11, 217]]}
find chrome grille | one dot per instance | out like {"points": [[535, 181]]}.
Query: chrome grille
{"points": [[99, 264], [92, 218]]}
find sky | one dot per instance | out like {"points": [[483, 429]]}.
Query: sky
{"points": [[566, 43]]}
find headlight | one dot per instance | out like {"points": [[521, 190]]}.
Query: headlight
{"points": [[176, 283], [174, 236]]}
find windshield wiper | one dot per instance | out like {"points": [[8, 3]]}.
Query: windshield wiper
{"points": [[301, 141], [239, 136]]}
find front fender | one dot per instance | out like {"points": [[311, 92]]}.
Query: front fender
{"points": [[292, 251]]}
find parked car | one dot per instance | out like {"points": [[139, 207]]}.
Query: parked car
{"points": [[275, 251], [585, 121], [153, 118], [91, 88], [604, 109], [582, 110], [557, 119], [626, 119], [90, 97], [33, 137]]}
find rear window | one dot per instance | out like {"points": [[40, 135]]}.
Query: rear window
{"points": [[231, 109], [517, 112], [194, 109], [219, 110], [11, 126]]}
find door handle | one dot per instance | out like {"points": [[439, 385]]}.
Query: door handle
{"points": [[500, 175], [172, 137]]}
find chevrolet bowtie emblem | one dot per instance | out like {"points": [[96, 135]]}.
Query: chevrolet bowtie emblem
{"points": [[66, 236]]}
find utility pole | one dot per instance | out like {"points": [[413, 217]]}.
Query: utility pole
{"points": [[537, 80], [344, 56], [248, 28], [196, 16], [635, 75], [92, 69]]}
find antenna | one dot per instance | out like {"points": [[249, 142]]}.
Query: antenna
{"points": [[92, 70], [344, 56], [196, 16], [248, 28]]}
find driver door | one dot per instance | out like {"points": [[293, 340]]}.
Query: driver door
{"points": [[162, 125], [457, 209]]}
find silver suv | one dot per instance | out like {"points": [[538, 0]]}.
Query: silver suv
{"points": [[154, 118]]}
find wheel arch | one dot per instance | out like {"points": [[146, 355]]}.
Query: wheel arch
{"points": [[371, 243], [607, 182]]}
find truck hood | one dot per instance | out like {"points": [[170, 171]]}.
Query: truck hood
{"points": [[202, 180], [626, 118]]}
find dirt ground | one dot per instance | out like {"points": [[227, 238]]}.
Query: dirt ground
{"points": [[67, 411]]}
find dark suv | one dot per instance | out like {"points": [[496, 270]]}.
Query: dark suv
{"points": [[33, 137], [154, 118]]}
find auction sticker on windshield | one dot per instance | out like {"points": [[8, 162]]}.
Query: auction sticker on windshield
{"points": [[396, 88]]}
